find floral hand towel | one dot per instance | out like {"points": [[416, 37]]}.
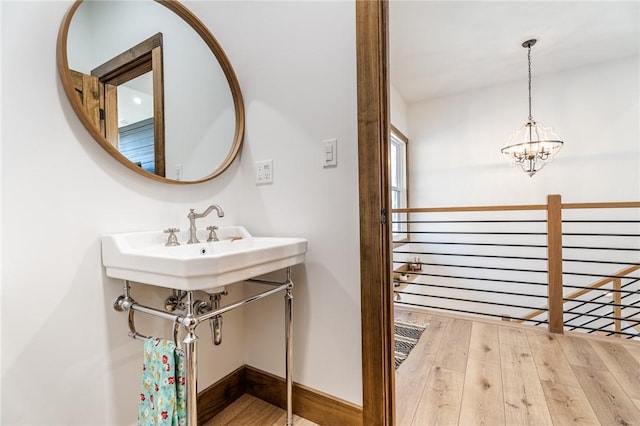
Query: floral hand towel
{"points": [[162, 390]]}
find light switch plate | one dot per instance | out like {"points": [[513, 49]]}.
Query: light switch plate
{"points": [[264, 172], [330, 153]]}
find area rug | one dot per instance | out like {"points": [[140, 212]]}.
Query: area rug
{"points": [[406, 337]]}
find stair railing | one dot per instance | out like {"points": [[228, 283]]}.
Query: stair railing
{"points": [[615, 279], [555, 307]]}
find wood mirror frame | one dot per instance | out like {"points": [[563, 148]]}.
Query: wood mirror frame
{"points": [[197, 25]]}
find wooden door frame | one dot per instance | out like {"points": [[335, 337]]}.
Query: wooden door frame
{"points": [[375, 228], [144, 57]]}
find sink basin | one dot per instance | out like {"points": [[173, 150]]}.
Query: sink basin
{"points": [[143, 257]]}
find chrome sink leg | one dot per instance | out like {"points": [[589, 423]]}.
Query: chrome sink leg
{"points": [[288, 298], [190, 348]]}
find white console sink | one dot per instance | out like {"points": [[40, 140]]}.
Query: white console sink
{"points": [[143, 257]]}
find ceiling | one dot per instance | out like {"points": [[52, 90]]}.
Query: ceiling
{"points": [[442, 47]]}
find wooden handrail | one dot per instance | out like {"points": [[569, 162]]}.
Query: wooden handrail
{"points": [[573, 296], [611, 205], [472, 209], [614, 205]]}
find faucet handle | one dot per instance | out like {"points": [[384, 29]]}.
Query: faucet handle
{"points": [[212, 233], [172, 240]]}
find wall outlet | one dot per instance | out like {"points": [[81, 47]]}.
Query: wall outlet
{"points": [[178, 171], [264, 172]]}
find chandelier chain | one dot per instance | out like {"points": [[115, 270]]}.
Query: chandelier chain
{"points": [[529, 61]]}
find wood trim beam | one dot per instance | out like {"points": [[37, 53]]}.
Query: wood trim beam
{"points": [[110, 111], [158, 110], [128, 60], [375, 234]]}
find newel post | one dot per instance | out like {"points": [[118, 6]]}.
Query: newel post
{"points": [[554, 266]]}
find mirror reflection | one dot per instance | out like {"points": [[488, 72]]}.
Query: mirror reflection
{"points": [[135, 122], [155, 89]]}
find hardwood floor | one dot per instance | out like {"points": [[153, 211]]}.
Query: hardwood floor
{"points": [[250, 411], [482, 372]]}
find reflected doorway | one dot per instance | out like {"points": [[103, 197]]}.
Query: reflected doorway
{"points": [[124, 97]]}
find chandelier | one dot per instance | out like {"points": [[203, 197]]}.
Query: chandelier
{"points": [[533, 145]]}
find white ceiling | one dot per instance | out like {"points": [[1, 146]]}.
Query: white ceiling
{"points": [[442, 47]]}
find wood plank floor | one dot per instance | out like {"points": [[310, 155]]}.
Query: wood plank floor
{"points": [[250, 411], [465, 371]]}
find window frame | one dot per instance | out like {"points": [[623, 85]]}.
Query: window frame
{"points": [[399, 172]]}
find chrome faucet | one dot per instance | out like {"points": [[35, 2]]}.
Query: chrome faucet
{"points": [[192, 220]]}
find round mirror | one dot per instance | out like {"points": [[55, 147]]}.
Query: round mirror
{"points": [[153, 87]]}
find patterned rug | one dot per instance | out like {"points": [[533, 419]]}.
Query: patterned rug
{"points": [[406, 337]]}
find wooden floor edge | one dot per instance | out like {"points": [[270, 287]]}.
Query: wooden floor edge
{"points": [[570, 333], [311, 404], [308, 403]]}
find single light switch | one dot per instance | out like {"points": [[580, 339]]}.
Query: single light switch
{"points": [[330, 154]]}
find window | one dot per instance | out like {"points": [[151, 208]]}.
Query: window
{"points": [[398, 175]]}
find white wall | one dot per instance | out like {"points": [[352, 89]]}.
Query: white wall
{"points": [[456, 140], [66, 357], [399, 109], [299, 91]]}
